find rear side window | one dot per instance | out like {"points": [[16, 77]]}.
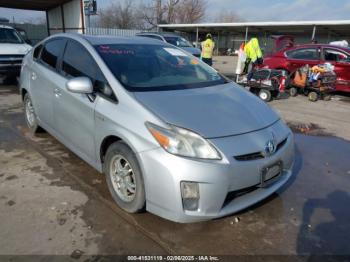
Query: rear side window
{"points": [[78, 62], [335, 55], [37, 51], [52, 51], [306, 54]]}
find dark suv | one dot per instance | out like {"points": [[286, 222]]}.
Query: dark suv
{"points": [[173, 39]]}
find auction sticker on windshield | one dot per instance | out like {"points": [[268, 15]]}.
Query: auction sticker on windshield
{"points": [[175, 52]]}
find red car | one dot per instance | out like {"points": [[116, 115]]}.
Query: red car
{"points": [[289, 57]]}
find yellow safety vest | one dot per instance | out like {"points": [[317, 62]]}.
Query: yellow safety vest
{"points": [[252, 50], [208, 48]]}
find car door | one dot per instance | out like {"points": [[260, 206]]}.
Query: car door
{"points": [[341, 62], [303, 56], [43, 77], [74, 113]]}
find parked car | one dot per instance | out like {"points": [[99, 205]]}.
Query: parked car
{"points": [[175, 40], [170, 133], [12, 50], [290, 57]]}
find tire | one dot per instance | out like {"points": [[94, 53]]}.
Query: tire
{"points": [[130, 198], [313, 96], [327, 97], [293, 91], [29, 115], [265, 95]]}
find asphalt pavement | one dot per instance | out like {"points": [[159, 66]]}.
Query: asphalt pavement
{"points": [[52, 202]]}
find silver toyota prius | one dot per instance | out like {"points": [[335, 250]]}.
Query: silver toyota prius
{"points": [[172, 135]]}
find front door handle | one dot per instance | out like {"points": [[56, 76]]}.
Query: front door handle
{"points": [[34, 76], [57, 92]]}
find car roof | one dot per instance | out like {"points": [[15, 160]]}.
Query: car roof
{"points": [[319, 46], [109, 40]]}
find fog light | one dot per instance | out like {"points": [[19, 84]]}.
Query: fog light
{"points": [[190, 195]]}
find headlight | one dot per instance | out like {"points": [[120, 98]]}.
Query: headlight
{"points": [[182, 142]]}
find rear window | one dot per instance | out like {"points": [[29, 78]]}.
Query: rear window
{"points": [[305, 54], [177, 41], [156, 67]]}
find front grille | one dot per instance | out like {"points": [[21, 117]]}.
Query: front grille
{"points": [[259, 155], [11, 59], [247, 157]]}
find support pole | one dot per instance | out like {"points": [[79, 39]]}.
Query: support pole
{"points": [[246, 35], [217, 50], [82, 13], [47, 23], [313, 33], [197, 37], [62, 19]]}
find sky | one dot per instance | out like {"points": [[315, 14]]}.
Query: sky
{"points": [[247, 10]]}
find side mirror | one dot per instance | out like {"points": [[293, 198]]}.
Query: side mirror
{"points": [[80, 85]]}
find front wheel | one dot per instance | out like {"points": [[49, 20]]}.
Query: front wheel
{"points": [[265, 95], [124, 178]]}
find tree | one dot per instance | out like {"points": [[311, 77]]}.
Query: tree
{"points": [[191, 11], [118, 15], [172, 11]]}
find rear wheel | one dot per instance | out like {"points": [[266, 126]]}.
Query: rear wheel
{"points": [[313, 96], [29, 114], [265, 95], [124, 178], [293, 91]]}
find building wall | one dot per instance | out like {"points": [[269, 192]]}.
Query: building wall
{"points": [[73, 21]]}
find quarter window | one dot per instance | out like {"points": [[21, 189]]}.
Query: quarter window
{"points": [[335, 55], [306, 54], [52, 51], [78, 62], [36, 52]]}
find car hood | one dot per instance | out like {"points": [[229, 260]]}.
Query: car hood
{"points": [[192, 50], [216, 111], [14, 49]]}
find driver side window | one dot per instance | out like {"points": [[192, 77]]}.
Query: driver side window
{"points": [[78, 62]]}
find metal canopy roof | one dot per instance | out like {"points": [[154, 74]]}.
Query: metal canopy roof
{"points": [[336, 27], [39, 5]]}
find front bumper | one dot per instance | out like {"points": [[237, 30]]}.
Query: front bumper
{"points": [[217, 180]]}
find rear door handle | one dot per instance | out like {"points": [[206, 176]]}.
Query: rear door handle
{"points": [[34, 76], [57, 92]]}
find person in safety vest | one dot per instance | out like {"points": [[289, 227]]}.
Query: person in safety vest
{"points": [[253, 54], [207, 50]]}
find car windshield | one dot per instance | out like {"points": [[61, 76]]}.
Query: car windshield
{"points": [[177, 41], [8, 35], [141, 67]]}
